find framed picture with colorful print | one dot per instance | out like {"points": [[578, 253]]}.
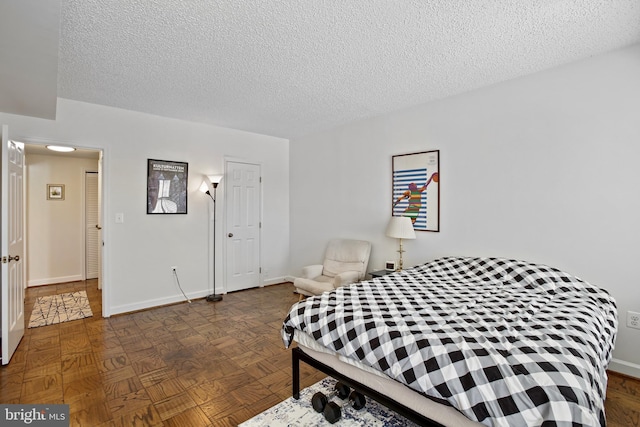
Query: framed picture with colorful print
{"points": [[416, 189]]}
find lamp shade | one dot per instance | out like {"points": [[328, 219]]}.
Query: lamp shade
{"points": [[214, 179], [210, 181], [204, 187], [400, 227]]}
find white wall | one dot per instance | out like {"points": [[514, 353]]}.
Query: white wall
{"points": [[55, 228], [542, 168], [140, 251]]}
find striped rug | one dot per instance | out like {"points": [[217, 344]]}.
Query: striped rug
{"points": [[52, 309]]}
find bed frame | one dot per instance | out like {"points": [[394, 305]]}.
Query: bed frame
{"points": [[298, 355]]}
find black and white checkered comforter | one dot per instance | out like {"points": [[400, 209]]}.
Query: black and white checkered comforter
{"points": [[507, 343]]}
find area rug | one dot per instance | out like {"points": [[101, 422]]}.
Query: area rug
{"points": [[52, 309], [293, 412]]}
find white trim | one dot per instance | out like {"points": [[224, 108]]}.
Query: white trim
{"points": [[155, 303], [54, 280], [106, 233], [25, 230], [83, 219], [624, 367], [273, 281]]}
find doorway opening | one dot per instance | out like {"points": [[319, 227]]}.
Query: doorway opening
{"points": [[63, 236]]}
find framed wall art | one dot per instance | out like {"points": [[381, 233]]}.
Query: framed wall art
{"points": [[167, 187], [55, 191], [416, 189]]}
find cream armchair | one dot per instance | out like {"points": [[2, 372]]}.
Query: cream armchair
{"points": [[345, 262]]}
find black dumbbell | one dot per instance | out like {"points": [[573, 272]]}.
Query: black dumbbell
{"points": [[319, 400], [333, 411]]}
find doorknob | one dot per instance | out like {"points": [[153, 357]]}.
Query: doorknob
{"points": [[98, 227], [10, 258], [230, 234]]}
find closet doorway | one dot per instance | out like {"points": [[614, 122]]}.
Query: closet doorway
{"points": [[92, 240]]}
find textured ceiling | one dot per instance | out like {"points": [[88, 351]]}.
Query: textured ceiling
{"points": [[291, 67], [29, 33]]}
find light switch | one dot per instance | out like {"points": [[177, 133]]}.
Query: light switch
{"points": [[119, 218]]}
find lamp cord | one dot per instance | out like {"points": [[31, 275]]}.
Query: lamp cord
{"points": [[175, 273]]}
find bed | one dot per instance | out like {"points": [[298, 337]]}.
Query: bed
{"points": [[465, 341]]}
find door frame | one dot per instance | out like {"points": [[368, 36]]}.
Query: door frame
{"points": [[223, 234], [104, 183]]}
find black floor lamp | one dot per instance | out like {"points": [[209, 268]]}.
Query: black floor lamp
{"points": [[214, 180]]}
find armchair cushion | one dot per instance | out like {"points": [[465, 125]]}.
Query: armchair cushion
{"points": [[312, 287], [332, 268], [311, 271], [345, 278]]}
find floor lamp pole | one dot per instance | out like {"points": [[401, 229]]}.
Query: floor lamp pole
{"points": [[214, 297]]}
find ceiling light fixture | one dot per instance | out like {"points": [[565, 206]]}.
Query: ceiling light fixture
{"points": [[60, 148]]}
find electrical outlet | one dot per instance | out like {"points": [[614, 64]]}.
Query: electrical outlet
{"points": [[174, 268], [633, 319]]}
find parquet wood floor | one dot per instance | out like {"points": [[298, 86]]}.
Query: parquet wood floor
{"points": [[198, 364]]}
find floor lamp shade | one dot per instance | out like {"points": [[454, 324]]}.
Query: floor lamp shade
{"points": [[400, 227], [214, 180]]}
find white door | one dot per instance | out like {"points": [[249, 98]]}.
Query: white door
{"points": [[100, 242], [12, 236], [92, 225], [242, 196]]}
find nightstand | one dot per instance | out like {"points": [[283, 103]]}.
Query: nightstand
{"points": [[380, 273]]}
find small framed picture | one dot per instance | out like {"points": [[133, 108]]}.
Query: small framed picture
{"points": [[55, 191]]}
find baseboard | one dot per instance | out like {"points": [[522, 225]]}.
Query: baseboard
{"points": [[158, 302], [289, 279], [273, 281], [54, 280], [623, 367]]}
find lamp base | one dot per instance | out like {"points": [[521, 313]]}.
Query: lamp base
{"points": [[214, 297]]}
